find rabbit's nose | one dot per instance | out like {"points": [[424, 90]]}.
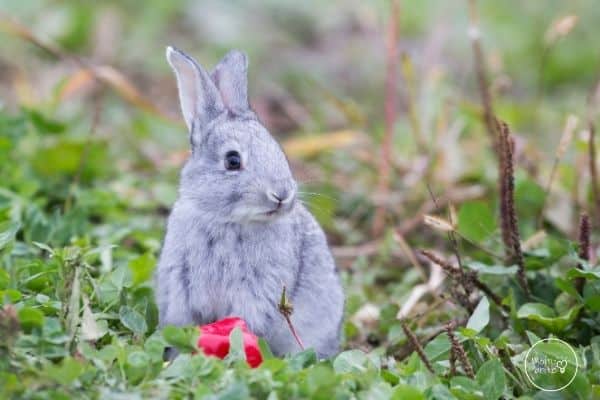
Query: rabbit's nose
{"points": [[281, 196]]}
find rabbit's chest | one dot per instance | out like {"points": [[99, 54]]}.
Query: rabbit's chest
{"points": [[240, 273]]}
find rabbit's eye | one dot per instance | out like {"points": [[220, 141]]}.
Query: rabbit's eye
{"points": [[233, 160]]}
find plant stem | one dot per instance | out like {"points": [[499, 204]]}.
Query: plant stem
{"points": [[391, 85]]}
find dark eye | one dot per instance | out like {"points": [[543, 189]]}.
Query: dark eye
{"points": [[233, 160]]}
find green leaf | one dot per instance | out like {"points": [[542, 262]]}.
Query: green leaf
{"points": [[43, 123], [133, 320], [546, 316], [265, 350], [466, 389], [406, 392], [532, 337], [590, 274], [4, 279], [439, 392], [236, 346], [31, 318], [491, 269], [234, 391], [437, 347], [184, 339], [481, 316], [66, 372], [476, 221], [138, 359], [593, 302], [8, 231], [11, 295], [537, 309], [566, 286], [321, 380], [142, 268], [351, 361], [529, 197], [491, 379], [379, 391], [63, 159], [303, 360]]}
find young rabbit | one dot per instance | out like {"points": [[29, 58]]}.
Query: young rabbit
{"points": [[236, 233]]}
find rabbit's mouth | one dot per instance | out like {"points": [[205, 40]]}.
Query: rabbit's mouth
{"points": [[280, 209], [277, 210]]}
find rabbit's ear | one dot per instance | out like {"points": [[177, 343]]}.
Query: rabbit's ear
{"points": [[231, 77], [198, 95]]}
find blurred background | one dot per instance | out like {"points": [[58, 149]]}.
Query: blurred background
{"points": [[92, 140]]}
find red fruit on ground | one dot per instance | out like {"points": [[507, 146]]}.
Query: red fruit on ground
{"points": [[214, 340]]}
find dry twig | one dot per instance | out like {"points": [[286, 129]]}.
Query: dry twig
{"points": [[479, 62], [459, 350], [417, 346], [467, 280], [593, 168], [390, 114], [103, 74]]}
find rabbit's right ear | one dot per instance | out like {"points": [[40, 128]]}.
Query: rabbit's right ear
{"points": [[199, 97]]}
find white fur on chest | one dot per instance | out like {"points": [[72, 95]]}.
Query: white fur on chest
{"points": [[240, 271]]}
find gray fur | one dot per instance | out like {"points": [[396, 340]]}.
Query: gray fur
{"points": [[222, 254]]}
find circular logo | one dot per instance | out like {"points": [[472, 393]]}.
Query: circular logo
{"points": [[551, 364]]}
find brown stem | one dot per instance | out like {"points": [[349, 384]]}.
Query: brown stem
{"points": [[391, 85], [471, 277], [451, 234], [593, 168], [584, 247], [103, 74], [445, 265], [503, 189], [459, 350], [286, 308], [480, 71], [452, 362], [486, 289], [508, 213], [413, 118], [417, 346], [294, 333]]}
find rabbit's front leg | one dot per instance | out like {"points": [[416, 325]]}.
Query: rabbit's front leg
{"points": [[172, 284], [317, 297]]}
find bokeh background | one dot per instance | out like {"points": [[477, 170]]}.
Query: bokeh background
{"points": [[92, 140]]}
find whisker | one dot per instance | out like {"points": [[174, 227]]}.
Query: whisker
{"points": [[318, 194], [322, 210]]}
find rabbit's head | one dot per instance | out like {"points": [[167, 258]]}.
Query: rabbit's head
{"points": [[237, 172]]}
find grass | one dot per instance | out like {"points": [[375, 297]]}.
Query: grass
{"points": [[475, 242]]}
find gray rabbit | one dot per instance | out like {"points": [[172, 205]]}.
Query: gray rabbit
{"points": [[237, 233]]}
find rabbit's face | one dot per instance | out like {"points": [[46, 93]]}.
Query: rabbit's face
{"points": [[238, 172]]}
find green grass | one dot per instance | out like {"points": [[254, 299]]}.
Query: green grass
{"points": [[82, 210]]}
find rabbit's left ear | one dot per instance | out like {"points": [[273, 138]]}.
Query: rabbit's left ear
{"points": [[231, 79]]}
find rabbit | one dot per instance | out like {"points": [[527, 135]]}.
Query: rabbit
{"points": [[237, 233]]}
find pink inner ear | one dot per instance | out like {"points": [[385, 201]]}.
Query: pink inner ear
{"points": [[188, 93]]}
